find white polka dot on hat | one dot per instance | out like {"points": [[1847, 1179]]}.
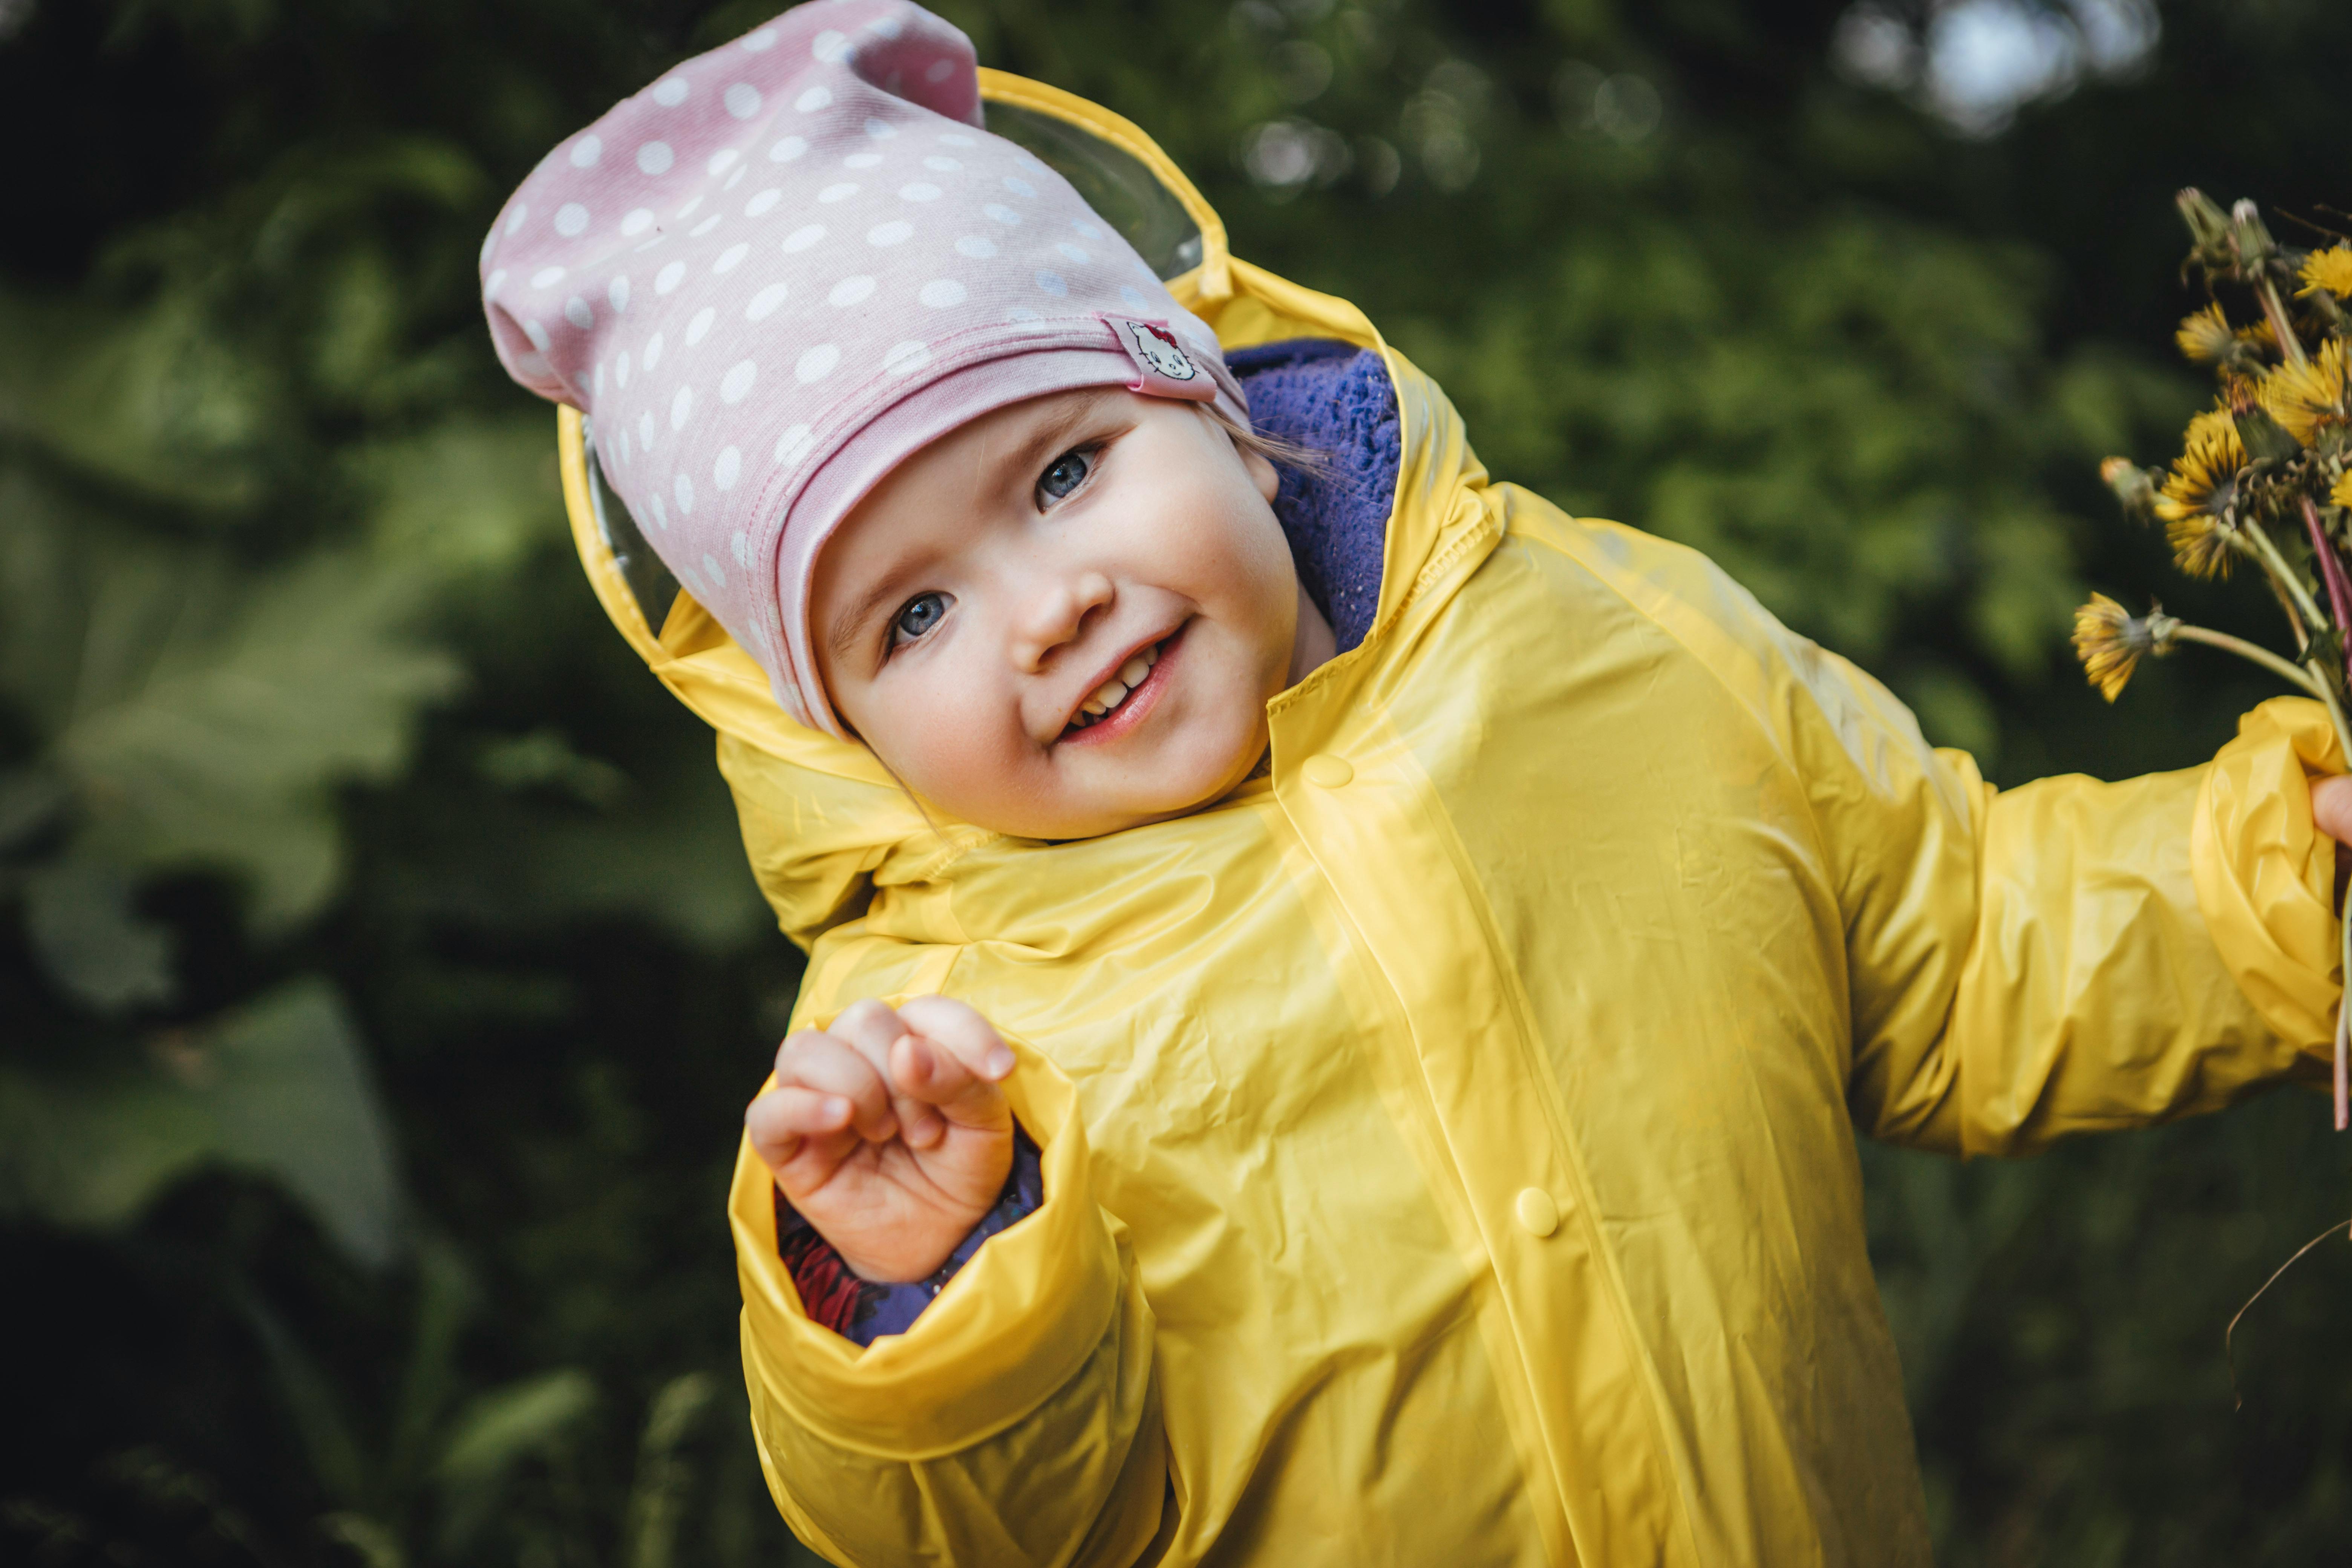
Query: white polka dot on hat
{"points": [[792, 262]]}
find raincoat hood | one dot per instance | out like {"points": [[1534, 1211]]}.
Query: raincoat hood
{"points": [[844, 827], [1448, 1138]]}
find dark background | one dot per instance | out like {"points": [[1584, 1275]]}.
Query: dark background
{"points": [[380, 979]]}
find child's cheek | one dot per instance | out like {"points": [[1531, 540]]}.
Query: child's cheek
{"points": [[968, 745]]}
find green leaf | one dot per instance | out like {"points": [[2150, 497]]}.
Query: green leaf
{"points": [[544, 759], [155, 402], [657, 1503], [88, 937], [30, 799], [201, 713], [444, 1301], [329, 1442], [497, 1431], [513, 1422], [468, 497], [214, 730], [668, 849], [276, 1088], [369, 1539]]}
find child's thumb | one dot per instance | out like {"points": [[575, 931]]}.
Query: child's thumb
{"points": [[2331, 807]]}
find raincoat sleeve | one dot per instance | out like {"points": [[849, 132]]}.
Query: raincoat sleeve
{"points": [[2070, 955], [1014, 1422]]}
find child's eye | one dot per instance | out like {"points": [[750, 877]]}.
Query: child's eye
{"points": [[1065, 474], [918, 615]]}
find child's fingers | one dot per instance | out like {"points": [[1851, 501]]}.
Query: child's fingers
{"points": [[965, 1034], [815, 1061], [781, 1122], [930, 1076], [871, 1029], [953, 1061]]}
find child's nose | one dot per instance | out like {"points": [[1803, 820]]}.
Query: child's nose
{"points": [[1057, 612]]}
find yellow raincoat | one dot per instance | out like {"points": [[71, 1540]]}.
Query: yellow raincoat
{"points": [[1449, 1141]]}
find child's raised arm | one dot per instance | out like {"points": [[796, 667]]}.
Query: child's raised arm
{"points": [[2126, 953], [1017, 1419], [2019, 965]]}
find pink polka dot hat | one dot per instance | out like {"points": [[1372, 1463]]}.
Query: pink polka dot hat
{"points": [[790, 263]]}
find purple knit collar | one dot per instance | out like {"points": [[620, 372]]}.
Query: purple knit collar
{"points": [[1336, 399]]}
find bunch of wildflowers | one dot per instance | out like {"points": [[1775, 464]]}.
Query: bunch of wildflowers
{"points": [[2264, 475]]}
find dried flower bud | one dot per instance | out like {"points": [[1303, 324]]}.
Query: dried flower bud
{"points": [[2205, 337], [2207, 223], [2134, 487], [2250, 237], [2111, 642]]}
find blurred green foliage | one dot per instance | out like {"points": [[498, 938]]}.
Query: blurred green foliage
{"points": [[380, 976]]}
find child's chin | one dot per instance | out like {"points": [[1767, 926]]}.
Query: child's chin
{"points": [[1099, 821], [1117, 811]]}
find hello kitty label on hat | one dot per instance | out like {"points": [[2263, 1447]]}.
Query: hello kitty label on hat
{"points": [[1162, 368]]}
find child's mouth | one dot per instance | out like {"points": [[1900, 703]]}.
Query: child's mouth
{"points": [[1119, 704]]}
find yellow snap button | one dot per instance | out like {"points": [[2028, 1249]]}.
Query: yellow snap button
{"points": [[1327, 771], [1537, 1212]]}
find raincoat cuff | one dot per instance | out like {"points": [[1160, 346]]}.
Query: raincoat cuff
{"points": [[2265, 874], [1013, 1326]]}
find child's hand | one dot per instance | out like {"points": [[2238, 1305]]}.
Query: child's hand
{"points": [[888, 1131]]}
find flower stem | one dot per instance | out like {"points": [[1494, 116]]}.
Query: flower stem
{"points": [[2276, 308], [2300, 679], [2344, 1026], [2283, 575], [2331, 566]]}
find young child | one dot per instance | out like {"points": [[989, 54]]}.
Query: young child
{"points": [[1340, 999]]}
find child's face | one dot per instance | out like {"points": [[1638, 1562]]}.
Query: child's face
{"points": [[1001, 581]]}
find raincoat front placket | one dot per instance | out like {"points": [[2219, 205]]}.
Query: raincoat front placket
{"points": [[1460, 1053], [1464, 1075]]}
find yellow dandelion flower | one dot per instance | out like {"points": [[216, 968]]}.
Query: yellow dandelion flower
{"points": [[2206, 336], [2110, 641], [2342, 494], [2196, 495], [2306, 399], [2328, 269], [2204, 477], [2203, 545], [2218, 424]]}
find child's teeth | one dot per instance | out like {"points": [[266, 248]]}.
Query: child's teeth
{"points": [[1152, 654], [1133, 672], [1107, 695]]}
